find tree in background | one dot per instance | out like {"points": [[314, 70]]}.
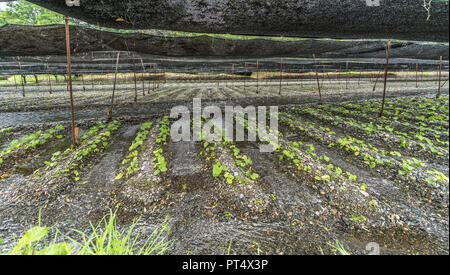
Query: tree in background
{"points": [[24, 13]]}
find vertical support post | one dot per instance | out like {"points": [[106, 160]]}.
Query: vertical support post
{"points": [[317, 77], [385, 76], [69, 74], [439, 81]]}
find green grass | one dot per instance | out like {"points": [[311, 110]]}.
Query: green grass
{"points": [[104, 240]]}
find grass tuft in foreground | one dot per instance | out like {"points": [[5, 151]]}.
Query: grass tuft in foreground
{"points": [[104, 240]]}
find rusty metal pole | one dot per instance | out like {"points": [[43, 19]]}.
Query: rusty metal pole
{"points": [[385, 76], [439, 81], [317, 77], [69, 73]]}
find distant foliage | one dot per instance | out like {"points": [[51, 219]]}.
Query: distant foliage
{"points": [[24, 13]]}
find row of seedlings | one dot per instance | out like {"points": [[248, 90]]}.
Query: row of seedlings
{"points": [[349, 199], [29, 143], [413, 140], [392, 165], [73, 160]]}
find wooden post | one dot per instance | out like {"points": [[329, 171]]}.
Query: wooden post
{"points": [[114, 86], [317, 77], [385, 76], [69, 74], [439, 81], [77, 135]]}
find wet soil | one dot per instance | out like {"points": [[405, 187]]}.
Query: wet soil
{"points": [[282, 212]]}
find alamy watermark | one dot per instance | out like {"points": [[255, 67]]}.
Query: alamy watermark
{"points": [[373, 3], [72, 3], [210, 124]]}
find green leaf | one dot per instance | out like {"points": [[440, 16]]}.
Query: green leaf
{"points": [[217, 170], [56, 249], [33, 235]]}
